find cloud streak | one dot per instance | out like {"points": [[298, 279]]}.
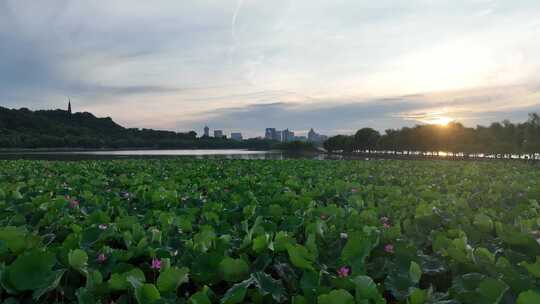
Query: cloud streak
{"points": [[347, 115], [178, 64]]}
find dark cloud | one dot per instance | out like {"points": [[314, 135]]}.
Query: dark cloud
{"points": [[339, 116], [329, 117]]}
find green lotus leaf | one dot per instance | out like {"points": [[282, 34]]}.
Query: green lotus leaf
{"points": [[147, 294], [237, 292], [528, 297], [170, 279], [339, 296], [533, 268], [119, 281], [415, 272], [31, 270], [267, 285], [77, 259], [233, 270], [366, 289], [300, 257], [14, 238]]}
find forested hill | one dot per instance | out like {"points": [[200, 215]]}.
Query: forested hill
{"points": [[56, 121], [23, 128]]}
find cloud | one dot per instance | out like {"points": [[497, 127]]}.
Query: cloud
{"points": [[337, 64], [329, 117], [333, 116]]}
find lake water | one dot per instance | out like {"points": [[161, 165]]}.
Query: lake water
{"points": [[130, 154]]}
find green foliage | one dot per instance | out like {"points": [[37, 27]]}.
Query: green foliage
{"points": [[500, 139], [171, 278], [120, 281], [30, 271], [366, 291], [78, 259], [233, 270], [534, 269], [299, 231], [339, 296], [528, 297], [58, 129], [356, 250], [300, 256], [147, 293], [477, 288], [14, 238], [483, 222]]}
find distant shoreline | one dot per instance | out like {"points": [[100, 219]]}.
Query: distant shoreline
{"points": [[46, 150]]}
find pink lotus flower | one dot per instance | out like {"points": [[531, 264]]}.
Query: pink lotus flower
{"points": [[354, 190], [73, 203], [156, 264], [343, 272], [103, 226], [101, 258], [386, 226], [389, 248]]}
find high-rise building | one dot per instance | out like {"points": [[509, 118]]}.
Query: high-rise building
{"points": [[312, 136], [284, 136], [270, 133], [287, 135], [316, 137], [236, 136], [206, 131], [278, 136], [218, 133]]}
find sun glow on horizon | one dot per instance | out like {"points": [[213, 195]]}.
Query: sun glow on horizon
{"points": [[439, 118], [441, 121]]}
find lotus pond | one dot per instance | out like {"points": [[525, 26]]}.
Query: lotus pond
{"points": [[248, 231]]}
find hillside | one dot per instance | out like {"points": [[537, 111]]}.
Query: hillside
{"points": [[23, 128], [26, 129]]}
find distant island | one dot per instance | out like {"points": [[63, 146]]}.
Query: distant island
{"points": [[62, 129]]}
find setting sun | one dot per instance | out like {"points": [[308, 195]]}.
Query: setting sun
{"points": [[441, 121]]}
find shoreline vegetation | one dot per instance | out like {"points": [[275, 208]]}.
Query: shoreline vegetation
{"points": [[22, 129], [500, 140], [26, 131]]}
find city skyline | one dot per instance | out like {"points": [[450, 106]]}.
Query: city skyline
{"points": [[285, 135]]}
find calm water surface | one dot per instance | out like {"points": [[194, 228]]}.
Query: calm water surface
{"points": [[172, 153]]}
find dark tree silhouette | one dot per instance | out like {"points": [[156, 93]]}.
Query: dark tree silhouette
{"points": [[500, 139], [56, 129]]}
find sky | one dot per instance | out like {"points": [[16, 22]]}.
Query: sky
{"points": [[244, 65]]}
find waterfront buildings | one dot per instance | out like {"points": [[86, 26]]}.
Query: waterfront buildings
{"points": [[218, 133], [316, 137], [288, 136], [236, 136]]}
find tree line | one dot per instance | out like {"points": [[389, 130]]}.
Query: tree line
{"points": [[501, 139], [23, 128]]}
